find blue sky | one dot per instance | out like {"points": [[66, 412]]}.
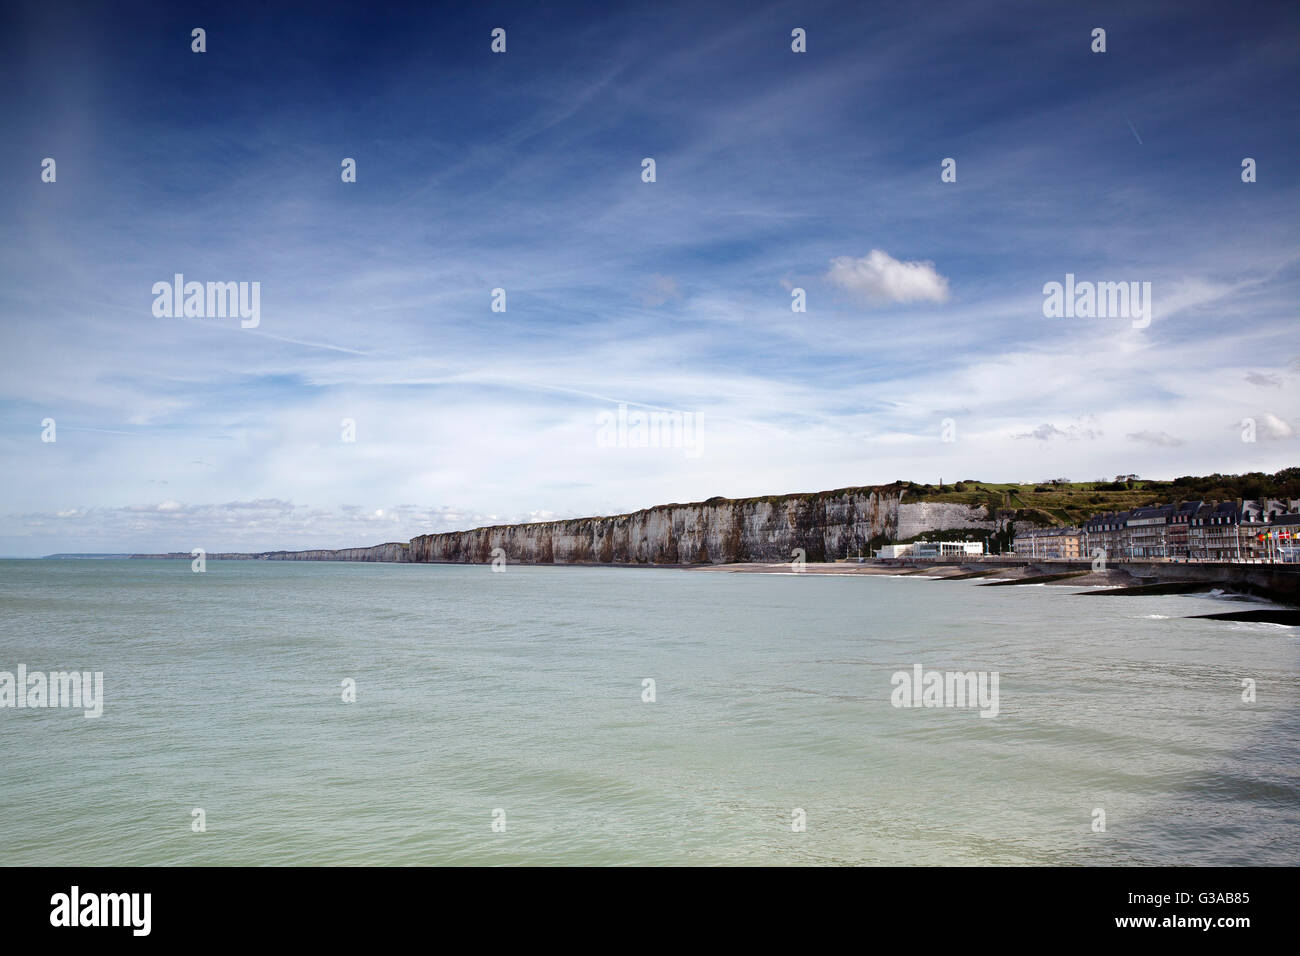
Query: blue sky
{"points": [[775, 170]]}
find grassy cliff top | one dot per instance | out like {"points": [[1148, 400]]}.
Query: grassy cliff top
{"points": [[1071, 502]]}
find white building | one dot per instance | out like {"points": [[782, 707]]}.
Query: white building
{"points": [[931, 549], [948, 549], [895, 551]]}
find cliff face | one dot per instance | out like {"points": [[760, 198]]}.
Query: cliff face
{"points": [[393, 552], [913, 519], [826, 525]]}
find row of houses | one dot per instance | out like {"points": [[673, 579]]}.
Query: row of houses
{"points": [[1241, 530]]}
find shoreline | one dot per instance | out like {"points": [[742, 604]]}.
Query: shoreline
{"points": [[1279, 583]]}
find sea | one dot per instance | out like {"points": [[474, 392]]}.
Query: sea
{"points": [[296, 713]]}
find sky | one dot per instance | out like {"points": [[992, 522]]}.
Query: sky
{"points": [[924, 351]]}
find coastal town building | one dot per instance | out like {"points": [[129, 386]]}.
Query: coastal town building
{"points": [[1269, 535], [1189, 530], [1106, 535], [1242, 530], [1214, 533], [1180, 523], [1147, 537], [1048, 543], [1283, 538]]}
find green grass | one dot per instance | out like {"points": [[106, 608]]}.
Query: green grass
{"points": [[1077, 501], [1058, 505]]}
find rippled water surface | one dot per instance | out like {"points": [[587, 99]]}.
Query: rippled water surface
{"points": [[523, 691]]}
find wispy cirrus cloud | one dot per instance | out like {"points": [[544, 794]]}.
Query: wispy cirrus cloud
{"points": [[661, 289]]}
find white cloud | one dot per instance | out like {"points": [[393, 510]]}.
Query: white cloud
{"points": [[1047, 431], [1264, 380], [879, 277], [1160, 439], [1271, 428]]}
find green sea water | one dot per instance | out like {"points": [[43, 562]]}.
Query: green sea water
{"points": [[518, 697]]}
